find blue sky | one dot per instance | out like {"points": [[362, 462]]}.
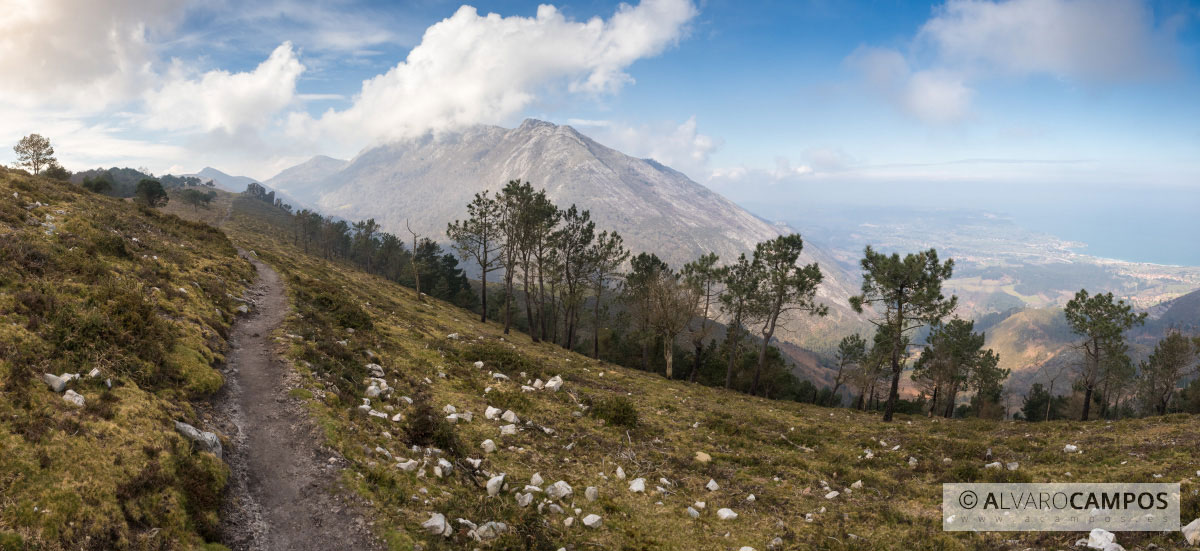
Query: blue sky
{"points": [[766, 102]]}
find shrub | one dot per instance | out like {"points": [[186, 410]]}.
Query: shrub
{"points": [[427, 427], [615, 410]]}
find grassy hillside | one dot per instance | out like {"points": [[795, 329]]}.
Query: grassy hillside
{"points": [[91, 282], [607, 417]]}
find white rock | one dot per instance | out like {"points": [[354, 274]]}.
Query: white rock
{"points": [[992, 465], [1012, 466], [592, 521], [489, 530], [508, 430], [494, 484], [474, 462], [712, 485], [559, 490], [95, 372], [56, 383], [397, 418], [510, 417], [726, 514], [207, 440], [499, 376], [536, 479], [1191, 532], [488, 446], [523, 500], [637, 485], [73, 398], [479, 365], [746, 548], [1099, 538], [1070, 448], [568, 521], [621, 473], [377, 413], [912, 462], [591, 493], [554, 383], [539, 384], [452, 418], [408, 466], [751, 498], [491, 412], [832, 494], [700, 505], [692, 512], [437, 525], [857, 485], [446, 466], [450, 409]]}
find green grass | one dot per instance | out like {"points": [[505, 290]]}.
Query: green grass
{"points": [[653, 428], [101, 289]]}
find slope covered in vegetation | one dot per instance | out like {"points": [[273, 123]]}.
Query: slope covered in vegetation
{"points": [[89, 282], [773, 463]]}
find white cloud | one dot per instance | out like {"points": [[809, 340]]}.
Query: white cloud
{"points": [[81, 55], [219, 100], [1093, 41], [472, 68], [679, 146], [1085, 39]]}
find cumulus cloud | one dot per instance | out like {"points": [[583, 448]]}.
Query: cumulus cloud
{"points": [[220, 100], [679, 146], [970, 41], [81, 55], [472, 68]]}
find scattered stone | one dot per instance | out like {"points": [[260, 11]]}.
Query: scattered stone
{"points": [[437, 525], [397, 418], [523, 500], [1012, 466], [74, 398], [508, 430], [479, 365], [746, 548], [536, 479], [207, 440], [712, 485], [452, 336], [559, 490], [857, 485], [621, 473], [489, 530], [449, 409], [95, 372], [495, 483], [592, 521], [703, 457], [832, 494], [554, 383], [692, 512], [726, 514], [700, 505], [510, 417], [567, 522], [992, 465], [488, 446], [1070, 448], [946, 460], [1191, 532], [638, 485], [1100, 538], [491, 412], [408, 466], [775, 545], [56, 383], [591, 493]]}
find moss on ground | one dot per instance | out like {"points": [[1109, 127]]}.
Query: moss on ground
{"points": [[87, 282]]}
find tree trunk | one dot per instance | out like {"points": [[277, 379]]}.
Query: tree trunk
{"points": [[733, 349], [529, 308], [894, 393], [668, 356], [1087, 402], [762, 355], [596, 323], [483, 296], [1049, 401], [696, 362]]}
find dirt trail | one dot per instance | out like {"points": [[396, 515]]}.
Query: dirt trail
{"points": [[284, 491]]}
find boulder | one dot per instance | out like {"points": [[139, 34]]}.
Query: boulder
{"points": [[536, 479], [207, 440], [408, 466], [437, 525], [494, 484], [523, 500], [73, 398], [712, 485], [559, 490], [1191, 532], [489, 530], [591, 493], [592, 521], [508, 430], [488, 446], [1099, 538], [726, 514], [56, 383], [510, 417], [554, 383], [491, 412], [637, 485]]}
